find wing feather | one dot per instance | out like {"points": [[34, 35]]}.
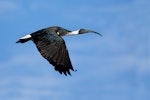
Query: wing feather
{"points": [[52, 47]]}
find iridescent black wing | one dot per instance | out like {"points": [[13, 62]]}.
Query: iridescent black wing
{"points": [[53, 48]]}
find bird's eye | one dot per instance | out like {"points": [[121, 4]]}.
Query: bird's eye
{"points": [[58, 32]]}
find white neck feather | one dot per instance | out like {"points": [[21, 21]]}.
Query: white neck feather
{"points": [[73, 32], [26, 37]]}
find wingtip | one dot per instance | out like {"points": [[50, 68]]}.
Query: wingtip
{"points": [[65, 72]]}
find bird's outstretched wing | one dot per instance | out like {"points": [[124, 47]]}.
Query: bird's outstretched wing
{"points": [[52, 47]]}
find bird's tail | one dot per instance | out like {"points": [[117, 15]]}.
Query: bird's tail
{"points": [[24, 39]]}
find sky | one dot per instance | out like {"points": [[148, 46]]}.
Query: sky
{"points": [[113, 67]]}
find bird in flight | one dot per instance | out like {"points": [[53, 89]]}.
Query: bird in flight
{"points": [[52, 47]]}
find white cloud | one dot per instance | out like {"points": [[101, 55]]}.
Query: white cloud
{"points": [[99, 72]]}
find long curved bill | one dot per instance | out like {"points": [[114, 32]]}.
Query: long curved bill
{"points": [[89, 31], [94, 32]]}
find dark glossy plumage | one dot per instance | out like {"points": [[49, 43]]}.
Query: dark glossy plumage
{"points": [[52, 46]]}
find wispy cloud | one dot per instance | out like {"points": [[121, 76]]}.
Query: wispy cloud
{"points": [[7, 6], [115, 66]]}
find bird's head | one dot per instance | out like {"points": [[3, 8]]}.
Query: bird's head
{"points": [[63, 32]]}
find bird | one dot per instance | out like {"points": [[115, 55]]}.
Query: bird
{"points": [[52, 47]]}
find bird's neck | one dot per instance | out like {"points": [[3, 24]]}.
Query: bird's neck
{"points": [[73, 32]]}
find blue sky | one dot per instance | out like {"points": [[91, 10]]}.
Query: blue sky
{"points": [[114, 67]]}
